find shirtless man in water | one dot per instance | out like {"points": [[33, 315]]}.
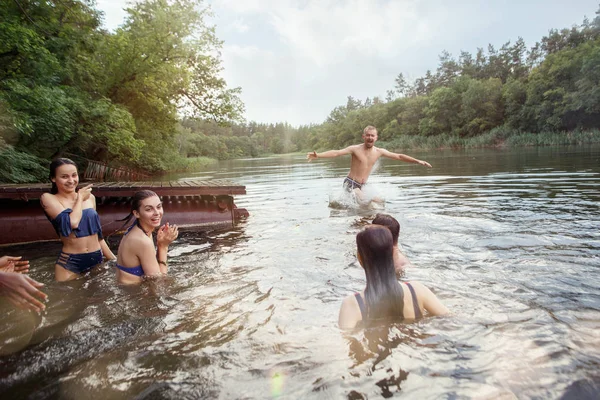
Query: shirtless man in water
{"points": [[364, 157]]}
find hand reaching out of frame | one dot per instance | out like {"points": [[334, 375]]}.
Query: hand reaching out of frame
{"points": [[22, 291], [14, 264]]}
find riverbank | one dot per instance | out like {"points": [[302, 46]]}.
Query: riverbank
{"points": [[190, 164], [498, 137], [19, 167]]}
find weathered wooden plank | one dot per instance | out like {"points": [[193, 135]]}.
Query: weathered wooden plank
{"points": [[192, 187], [97, 184]]}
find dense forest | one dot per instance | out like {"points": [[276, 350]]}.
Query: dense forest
{"points": [[69, 87], [149, 96]]}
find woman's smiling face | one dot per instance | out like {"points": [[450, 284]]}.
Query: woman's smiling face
{"points": [[150, 212], [66, 178]]}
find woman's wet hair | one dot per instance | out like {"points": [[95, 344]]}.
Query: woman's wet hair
{"points": [[58, 162], [384, 297], [136, 203], [389, 222]]}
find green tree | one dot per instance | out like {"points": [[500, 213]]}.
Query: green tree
{"points": [[514, 97], [50, 82], [481, 108], [441, 113], [160, 62]]}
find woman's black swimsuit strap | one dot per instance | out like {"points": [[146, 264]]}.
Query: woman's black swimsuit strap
{"points": [[417, 310], [361, 305], [418, 314]]}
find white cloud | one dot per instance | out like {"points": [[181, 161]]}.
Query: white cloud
{"points": [[245, 6], [325, 31], [114, 12], [317, 52], [297, 59], [239, 26]]}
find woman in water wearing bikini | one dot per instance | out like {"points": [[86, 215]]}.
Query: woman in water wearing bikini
{"points": [[137, 256], [384, 298], [73, 215]]}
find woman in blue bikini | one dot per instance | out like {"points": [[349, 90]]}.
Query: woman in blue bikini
{"points": [[74, 217], [136, 256], [384, 298]]}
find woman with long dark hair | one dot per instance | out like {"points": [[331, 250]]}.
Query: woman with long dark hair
{"points": [[136, 256], [73, 215], [384, 298]]}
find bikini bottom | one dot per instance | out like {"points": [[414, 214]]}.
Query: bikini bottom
{"points": [[79, 263]]}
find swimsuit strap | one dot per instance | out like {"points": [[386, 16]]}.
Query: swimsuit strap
{"points": [[418, 314], [361, 305], [137, 271], [136, 223]]}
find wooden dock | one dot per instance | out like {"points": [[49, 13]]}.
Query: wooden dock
{"points": [[192, 187], [193, 203]]}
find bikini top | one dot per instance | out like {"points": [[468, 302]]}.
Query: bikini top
{"points": [[138, 270], [88, 225], [417, 310]]}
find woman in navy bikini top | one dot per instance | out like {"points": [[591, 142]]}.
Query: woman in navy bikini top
{"points": [[137, 257], [137, 270], [384, 297], [75, 220]]}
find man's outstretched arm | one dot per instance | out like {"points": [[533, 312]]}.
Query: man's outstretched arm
{"points": [[329, 154], [403, 157]]}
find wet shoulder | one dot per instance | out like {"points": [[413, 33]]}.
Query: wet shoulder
{"points": [[131, 247], [51, 205], [46, 199], [136, 238], [350, 314]]}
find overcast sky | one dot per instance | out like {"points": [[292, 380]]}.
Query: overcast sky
{"points": [[296, 60]]}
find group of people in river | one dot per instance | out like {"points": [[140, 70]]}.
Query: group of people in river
{"points": [[72, 213], [384, 297]]}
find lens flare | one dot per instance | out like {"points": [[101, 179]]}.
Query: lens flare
{"points": [[277, 380]]}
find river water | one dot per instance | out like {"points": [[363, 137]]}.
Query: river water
{"points": [[508, 240]]}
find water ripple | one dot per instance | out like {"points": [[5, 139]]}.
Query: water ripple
{"points": [[508, 240]]}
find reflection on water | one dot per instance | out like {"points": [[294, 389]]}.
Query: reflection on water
{"points": [[508, 240]]}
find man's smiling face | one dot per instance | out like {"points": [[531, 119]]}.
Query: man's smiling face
{"points": [[370, 137]]}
